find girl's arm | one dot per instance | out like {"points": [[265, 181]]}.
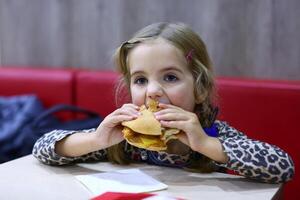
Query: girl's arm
{"points": [[64, 147], [78, 144], [254, 159], [45, 149]]}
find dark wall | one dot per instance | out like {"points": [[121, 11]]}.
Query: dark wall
{"points": [[253, 38]]}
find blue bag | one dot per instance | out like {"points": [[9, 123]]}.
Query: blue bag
{"points": [[15, 113], [19, 141], [47, 122]]}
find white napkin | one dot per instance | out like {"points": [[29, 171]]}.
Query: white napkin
{"points": [[128, 180]]}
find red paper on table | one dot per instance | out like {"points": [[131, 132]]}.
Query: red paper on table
{"points": [[122, 196]]}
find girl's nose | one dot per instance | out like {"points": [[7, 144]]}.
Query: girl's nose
{"points": [[154, 90]]}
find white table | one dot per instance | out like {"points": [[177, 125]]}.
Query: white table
{"points": [[27, 178]]}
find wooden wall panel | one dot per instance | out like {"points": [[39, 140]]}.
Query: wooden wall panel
{"points": [[250, 38]]}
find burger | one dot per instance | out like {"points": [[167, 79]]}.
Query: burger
{"points": [[146, 131]]}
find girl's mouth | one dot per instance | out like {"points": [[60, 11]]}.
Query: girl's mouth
{"points": [[164, 101]]}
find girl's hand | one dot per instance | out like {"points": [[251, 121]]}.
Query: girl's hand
{"points": [[109, 131], [174, 117], [107, 134]]}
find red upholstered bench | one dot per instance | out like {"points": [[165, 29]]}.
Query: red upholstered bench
{"points": [[52, 86], [263, 109], [267, 110], [96, 90]]}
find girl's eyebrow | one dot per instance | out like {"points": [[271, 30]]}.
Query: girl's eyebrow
{"points": [[172, 68], [137, 72]]}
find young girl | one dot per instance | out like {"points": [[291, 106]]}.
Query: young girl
{"points": [[169, 63]]}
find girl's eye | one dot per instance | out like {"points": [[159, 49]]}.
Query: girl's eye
{"points": [[170, 78], [140, 81]]}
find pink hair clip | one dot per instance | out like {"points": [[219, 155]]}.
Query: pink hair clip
{"points": [[189, 55]]}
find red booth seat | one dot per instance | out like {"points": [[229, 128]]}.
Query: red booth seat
{"points": [[267, 110], [52, 86], [96, 90]]}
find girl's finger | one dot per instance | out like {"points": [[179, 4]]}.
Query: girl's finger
{"points": [[121, 118], [172, 117], [164, 106], [171, 109], [124, 111], [167, 111], [130, 105], [173, 124]]}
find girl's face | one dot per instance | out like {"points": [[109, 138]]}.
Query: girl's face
{"points": [[160, 71]]}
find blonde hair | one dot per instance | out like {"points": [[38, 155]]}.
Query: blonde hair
{"points": [[188, 42]]}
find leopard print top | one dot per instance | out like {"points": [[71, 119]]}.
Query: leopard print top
{"points": [[250, 158]]}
